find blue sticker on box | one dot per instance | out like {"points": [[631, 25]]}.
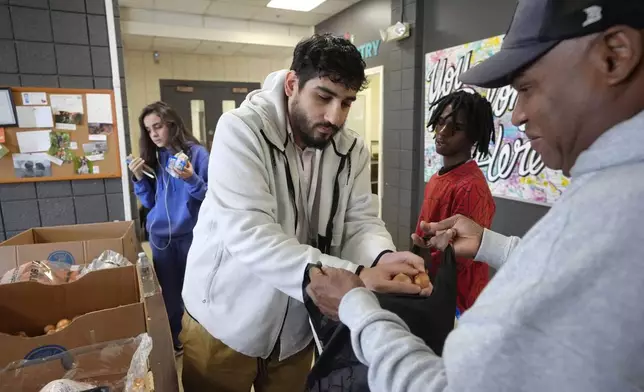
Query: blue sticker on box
{"points": [[45, 351], [61, 256]]}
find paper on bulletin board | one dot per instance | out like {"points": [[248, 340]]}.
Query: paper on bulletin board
{"points": [[67, 103], [34, 99], [66, 127], [97, 157], [33, 141], [98, 138], [3, 151], [31, 165], [7, 116], [55, 160], [34, 117], [73, 146], [68, 110], [99, 108]]}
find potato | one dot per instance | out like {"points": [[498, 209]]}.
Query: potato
{"points": [[51, 331], [402, 278], [422, 280], [62, 324], [49, 328]]}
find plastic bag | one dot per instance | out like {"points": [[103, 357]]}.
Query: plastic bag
{"points": [[116, 366], [66, 386], [54, 272], [47, 272], [135, 380], [430, 318], [107, 259]]}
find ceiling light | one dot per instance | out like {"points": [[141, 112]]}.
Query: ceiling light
{"points": [[295, 5]]}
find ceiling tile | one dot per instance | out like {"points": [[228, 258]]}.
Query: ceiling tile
{"points": [[137, 15], [189, 6], [149, 4], [264, 50], [331, 7], [175, 44], [178, 19], [288, 17], [137, 42], [255, 3], [217, 48], [218, 23], [233, 9]]}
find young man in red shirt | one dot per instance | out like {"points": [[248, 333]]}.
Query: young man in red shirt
{"points": [[463, 126]]}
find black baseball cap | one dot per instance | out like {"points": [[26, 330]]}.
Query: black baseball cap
{"points": [[540, 25]]}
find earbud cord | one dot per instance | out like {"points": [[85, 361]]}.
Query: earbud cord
{"points": [[167, 210]]}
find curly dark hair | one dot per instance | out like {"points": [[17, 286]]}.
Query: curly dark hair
{"points": [[328, 56], [479, 119]]}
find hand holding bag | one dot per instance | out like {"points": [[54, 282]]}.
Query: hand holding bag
{"points": [[337, 369]]}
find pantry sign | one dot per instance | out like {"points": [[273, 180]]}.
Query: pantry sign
{"points": [[513, 169], [367, 50]]}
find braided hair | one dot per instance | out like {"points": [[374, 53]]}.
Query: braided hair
{"points": [[478, 116]]}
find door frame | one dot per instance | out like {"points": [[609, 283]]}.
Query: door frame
{"points": [[379, 70], [243, 89]]}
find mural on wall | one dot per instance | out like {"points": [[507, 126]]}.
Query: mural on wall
{"points": [[513, 169]]}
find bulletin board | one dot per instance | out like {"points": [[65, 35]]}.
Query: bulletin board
{"points": [[90, 151]]}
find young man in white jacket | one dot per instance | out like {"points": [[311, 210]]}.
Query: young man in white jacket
{"points": [[564, 312], [288, 187]]}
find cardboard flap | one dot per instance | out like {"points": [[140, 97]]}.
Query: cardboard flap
{"points": [[30, 306], [24, 238], [64, 252], [8, 257], [94, 248], [76, 244], [96, 327], [130, 244], [82, 232]]}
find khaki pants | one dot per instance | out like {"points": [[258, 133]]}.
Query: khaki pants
{"points": [[210, 365]]}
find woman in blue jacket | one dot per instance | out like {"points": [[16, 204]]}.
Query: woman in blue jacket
{"points": [[173, 200]]}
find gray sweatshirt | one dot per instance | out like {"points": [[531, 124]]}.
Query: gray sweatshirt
{"points": [[564, 313]]}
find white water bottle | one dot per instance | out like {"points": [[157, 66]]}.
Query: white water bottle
{"points": [[145, 271]]}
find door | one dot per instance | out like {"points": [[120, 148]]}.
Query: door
{"points": [[201, 103]]}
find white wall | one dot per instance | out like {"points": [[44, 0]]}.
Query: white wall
{"points": [[142, 76]]}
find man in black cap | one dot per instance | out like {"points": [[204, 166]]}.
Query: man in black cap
{"points": [[564, 312]]}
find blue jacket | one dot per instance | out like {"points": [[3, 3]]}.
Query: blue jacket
{"points": [[183, 197]]}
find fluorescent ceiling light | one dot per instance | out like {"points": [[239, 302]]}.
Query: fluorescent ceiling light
{"points": [[295, 5]]}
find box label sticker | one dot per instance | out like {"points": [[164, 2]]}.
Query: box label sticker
{"points": [[45, 351], [61, 256]]}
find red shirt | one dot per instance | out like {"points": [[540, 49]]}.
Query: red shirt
{"points": [[463, 190]]}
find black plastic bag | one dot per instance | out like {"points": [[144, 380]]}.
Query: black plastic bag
{"points": [[337, 369]]}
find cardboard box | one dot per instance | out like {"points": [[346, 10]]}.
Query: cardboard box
{"points": [[104, 364], [107, 303], [76, 244]]}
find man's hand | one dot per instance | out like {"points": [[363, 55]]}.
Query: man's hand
{"points": [[464, 234], [379, 278], [419, 241], [328, 286]]}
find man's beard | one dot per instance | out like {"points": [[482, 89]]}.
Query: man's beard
{"points": [[306, 132]]}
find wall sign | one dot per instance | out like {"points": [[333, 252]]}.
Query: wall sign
{"points": [[513, 170], [367, 50]]}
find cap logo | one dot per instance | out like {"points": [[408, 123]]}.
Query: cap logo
{"points": [[593, 15]]}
